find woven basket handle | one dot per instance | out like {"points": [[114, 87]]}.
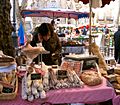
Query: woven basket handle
{"points": [[98, 69]]}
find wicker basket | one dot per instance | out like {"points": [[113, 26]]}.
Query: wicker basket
{"points": [[6, 61], [10, 96]]}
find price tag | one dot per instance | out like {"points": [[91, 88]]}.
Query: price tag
{"points": [[7, 90], [110, 71], [62, 74], [36, 76]]}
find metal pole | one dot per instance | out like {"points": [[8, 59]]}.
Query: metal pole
{"points": [[14, 35], [90, 16]]}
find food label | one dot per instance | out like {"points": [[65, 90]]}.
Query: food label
{"points": [[7, 90], [35, 76], [62, 74]]}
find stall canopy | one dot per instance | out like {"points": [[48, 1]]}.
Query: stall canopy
{"points": [[53, 14]]}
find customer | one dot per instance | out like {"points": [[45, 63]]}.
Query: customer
{"points": [[50, 42], [117, 45], [77, 31], [84, 31]]}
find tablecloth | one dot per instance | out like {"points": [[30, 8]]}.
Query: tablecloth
{"points": [[88, 94], [116, 100]]}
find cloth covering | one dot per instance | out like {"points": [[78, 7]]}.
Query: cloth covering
{"points": [[7, 68], [88, 94]]}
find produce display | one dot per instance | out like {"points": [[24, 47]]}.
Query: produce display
{"points": [[8, 78], [88, 72], [113, 76], [37, 79], [32, 85], [7, 82], [64, 79], [71, 43]]}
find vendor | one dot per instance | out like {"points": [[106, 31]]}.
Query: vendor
{"points": [[50, 42]]}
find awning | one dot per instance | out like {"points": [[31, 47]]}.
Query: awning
{"points": [[54, 14]]}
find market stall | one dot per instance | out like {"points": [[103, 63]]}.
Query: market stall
{"points": [[59, 85], [67, 83], [87, 94]]}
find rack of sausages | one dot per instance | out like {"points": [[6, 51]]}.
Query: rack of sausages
{"points": [[64, 79], [32, 85]]}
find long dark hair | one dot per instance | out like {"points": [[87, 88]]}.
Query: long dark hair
{"points": [[44, 28], [35, 37]]}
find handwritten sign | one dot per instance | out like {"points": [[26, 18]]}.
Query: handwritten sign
{"points": [[7, 90], [36, 76], [62, 74]]}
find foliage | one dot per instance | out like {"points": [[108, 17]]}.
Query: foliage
{"points": [[6, 28]]}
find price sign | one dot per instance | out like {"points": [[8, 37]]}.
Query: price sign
{"points": [[36, 76], [7, 90], [62, 74]]}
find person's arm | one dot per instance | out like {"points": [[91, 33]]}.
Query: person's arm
{"points": [[35, 40], [58, 47]]}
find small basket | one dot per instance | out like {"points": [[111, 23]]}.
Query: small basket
{"points": [[89, 80], [10, 96]]}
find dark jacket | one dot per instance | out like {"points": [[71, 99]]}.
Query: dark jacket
{"points": [[54, 46], [117, 40]]}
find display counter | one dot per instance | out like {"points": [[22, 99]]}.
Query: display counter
{"points": [[88, 94], [81, 57], [77, 49]]}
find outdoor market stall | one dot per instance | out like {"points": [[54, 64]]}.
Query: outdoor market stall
{"points": [[73, 92], [87, 94], [42, 84]]}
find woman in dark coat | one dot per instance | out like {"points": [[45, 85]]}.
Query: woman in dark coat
{"points": [[117, 45], [50, 42]]}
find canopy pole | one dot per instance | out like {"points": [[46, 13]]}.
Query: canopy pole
{"points": [[90, 18]]}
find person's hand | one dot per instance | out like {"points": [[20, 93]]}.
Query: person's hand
{"points": [[53, 54]]}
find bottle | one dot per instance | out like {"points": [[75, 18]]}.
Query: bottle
{"points": [[111, 42]]}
